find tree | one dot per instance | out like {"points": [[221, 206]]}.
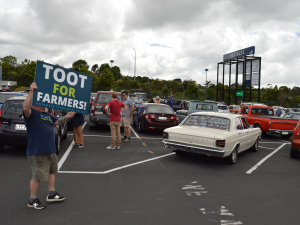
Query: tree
{"points": [[29, 70], [103, 67], [105, 78], [94, 68], [192, 90], [11, 61], [165, 90], [79, 64], [116, 72]]}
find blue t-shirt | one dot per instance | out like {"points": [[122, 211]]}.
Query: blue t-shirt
{"points": [[170, 103], [40, 133]]}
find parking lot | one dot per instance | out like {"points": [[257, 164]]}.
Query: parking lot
{"points": [[145, 183]]}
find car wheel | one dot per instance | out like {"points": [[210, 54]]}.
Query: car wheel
{"points": [[181, 153], [293, 154], [232, 158], [262, 132], [65, 135], [2, 146], [254, 148], [57, 143], [141, 127], [286, 136]]}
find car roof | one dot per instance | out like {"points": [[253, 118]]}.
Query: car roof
{"points": [[225, 115], [11, 93], [21, 98], [260, 106]]}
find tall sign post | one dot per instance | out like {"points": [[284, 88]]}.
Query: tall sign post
{"points": [[246, 69]]}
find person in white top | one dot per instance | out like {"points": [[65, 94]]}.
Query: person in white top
{"points": [[138, 102]]}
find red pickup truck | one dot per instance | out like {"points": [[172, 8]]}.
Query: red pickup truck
{"points": [[263, 117]]}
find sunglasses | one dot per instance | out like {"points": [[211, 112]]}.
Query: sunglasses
{"points": [[124, 95]]}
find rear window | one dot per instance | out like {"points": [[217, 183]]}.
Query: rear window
{"points": [[222, 107], [159, 109], [13, 108], [262, 111], [204, 107], [208, 121], [3, 98], [106, 97]]}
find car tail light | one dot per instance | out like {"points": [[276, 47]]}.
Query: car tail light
{"points": [[296, 130], [220, 143], [0, 116], [93, 109], [149, 116], [174, 118], [165, 135]]}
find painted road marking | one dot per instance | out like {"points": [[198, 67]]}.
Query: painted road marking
{"points": [[266, 147], [63, 159], [106, 136], [264, 159], [118, 168], [194, 187], [222, 212]]}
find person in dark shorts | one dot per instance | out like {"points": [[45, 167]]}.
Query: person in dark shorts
{"points": [[115, 108], [41, 150], [77, 122]]}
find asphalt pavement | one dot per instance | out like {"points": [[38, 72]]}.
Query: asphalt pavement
{"points": [[145, 183]]}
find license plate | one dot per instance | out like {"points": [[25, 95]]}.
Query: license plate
{"points": [[99, 113], [285, 133], [20, 127], [162, 118]]}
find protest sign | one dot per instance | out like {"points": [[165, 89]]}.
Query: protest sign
{"points": [[61, 88]]}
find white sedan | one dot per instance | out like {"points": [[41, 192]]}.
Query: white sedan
{"points": [[213, 134]]}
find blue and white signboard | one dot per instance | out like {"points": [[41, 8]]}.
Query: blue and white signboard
{"points": [[61, 88], [239, 53]]}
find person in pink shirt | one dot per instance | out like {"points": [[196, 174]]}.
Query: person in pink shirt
{"points": [[115, 108]]}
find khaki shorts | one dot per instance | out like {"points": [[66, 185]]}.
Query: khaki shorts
{"points": [[125, 121], [42, 166]]}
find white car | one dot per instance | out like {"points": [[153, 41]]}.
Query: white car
{"points": [[223, 135], [223, 109]]}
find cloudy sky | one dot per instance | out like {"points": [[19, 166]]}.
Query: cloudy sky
{"points": [[173, 39]]}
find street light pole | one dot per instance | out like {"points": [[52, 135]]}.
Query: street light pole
{"points": [[111, 62], [134, 63], [205, 82]]}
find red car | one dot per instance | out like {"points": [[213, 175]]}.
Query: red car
{"points": [[155, 116], [295, 142]]}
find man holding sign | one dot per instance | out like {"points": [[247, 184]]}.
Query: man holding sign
{"points": [[41, 150]]}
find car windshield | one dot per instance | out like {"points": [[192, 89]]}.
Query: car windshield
{"points": [[222, 107], [106, 97], [13, 108], [3, 98], [294, 116], [159, 109], [143, 96], [208, 122]]}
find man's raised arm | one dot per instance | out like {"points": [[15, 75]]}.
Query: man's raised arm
{"points": [[28, 101]]}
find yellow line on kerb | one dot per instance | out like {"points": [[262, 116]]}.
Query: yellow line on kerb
{"points": [[150, 152]]}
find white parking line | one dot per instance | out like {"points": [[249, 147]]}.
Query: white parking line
{"points": [[118, 168], [63, 159], [264, 159], [134, 133], [95, 135], [266, 147]]}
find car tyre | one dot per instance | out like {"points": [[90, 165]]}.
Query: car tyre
{"points": [[262, 132], [92, 127], [141, 127], [180, 153], [2, 146], [57, 143], [254, 148], [232, 158], [285, 137], [293, 154]]}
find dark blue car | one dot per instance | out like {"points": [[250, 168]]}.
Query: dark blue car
{"points": [[6, 95]]}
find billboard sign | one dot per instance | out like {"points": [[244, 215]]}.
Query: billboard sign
{"points": [[61, 88], [239, 53]]}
